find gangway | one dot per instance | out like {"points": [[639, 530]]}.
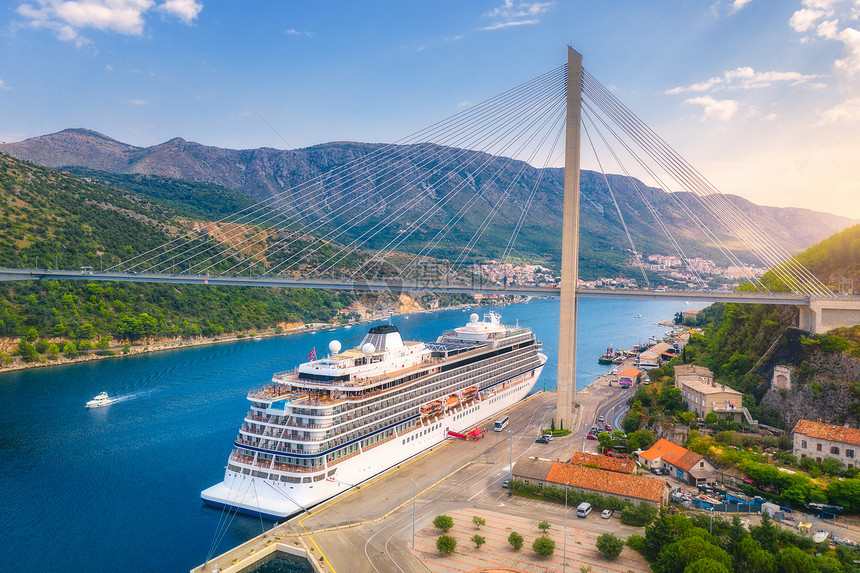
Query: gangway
{"points": [[470, 436]]}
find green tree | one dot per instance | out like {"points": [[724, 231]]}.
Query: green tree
{"points": [[443, 522], [609, 545], [446, 544], [605, 441], [478, 540], [70, 350], [640, 440], [670, 398], [638, 515], [793, 560], [666, 529], [831, 466], [543, 546], [516, 540], [32, 334], [27, 351], [766, 534], [543, 526], [706, 565], [478, 521], [845, 493], [53, 351], [631, 422]]}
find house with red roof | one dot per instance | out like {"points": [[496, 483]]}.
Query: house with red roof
{"points": [[682, 463]]}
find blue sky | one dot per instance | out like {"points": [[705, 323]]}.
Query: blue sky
{"points": [[762, 96]]}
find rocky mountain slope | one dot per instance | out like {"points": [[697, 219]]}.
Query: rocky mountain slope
{"points": [[264, 172]]}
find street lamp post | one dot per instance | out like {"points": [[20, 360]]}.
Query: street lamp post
{"points": [[564, 554], [511, 458], [413, 511]]}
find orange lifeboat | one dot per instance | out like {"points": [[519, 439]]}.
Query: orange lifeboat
{"points": [[432, 408], [450, 402], [469, 393]]}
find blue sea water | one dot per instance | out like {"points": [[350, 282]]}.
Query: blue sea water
{"points": [[117, 488]]}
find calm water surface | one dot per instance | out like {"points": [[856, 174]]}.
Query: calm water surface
{"points": [[117, 488]]}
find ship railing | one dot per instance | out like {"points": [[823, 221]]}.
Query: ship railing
{"points": [[242, 459], [279, 449], [295, 469]]}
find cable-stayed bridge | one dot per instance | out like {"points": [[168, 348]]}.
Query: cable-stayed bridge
{"points": [[442, 194]]}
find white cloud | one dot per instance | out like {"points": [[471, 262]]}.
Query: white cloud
{"points": [[738, 5], [3, 86], [512, 13], [67, 18], [745, 78], [138, 101], [845, 112], [294, 32], [185, 10], [804, 20], [825, 19], [499, 25], [715, 109], [463, 103]]}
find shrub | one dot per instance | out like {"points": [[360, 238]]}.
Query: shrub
{"points": [[636, 543], [609, 545], [478, 540], [544, 546], [443, 522], [478, 521], [543, 526], [446, 544], [639, 515], [516, 540]]}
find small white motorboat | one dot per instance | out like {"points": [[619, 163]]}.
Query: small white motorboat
{"points": [[102, 399]]}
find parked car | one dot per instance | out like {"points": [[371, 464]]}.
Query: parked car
{"points": [[542, 440], [606, 514], [505, 483], [591, 437], [547, 436], [607, 427], [600, 418], [660, 471]]}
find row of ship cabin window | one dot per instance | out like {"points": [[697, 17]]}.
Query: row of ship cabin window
{"points": [[466, 413], [418, 435]]}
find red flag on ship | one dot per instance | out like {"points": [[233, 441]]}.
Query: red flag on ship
{"points": [[313, 355]]}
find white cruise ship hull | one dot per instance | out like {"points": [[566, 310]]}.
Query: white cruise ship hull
{"points": [[277, 500]]}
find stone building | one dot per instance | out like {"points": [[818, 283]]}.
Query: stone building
{"points": [[819, 441], [703, 396]]}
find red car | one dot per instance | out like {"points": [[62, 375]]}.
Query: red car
{"points": [[591, 437], [608, 427]]}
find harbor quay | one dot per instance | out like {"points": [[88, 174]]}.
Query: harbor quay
{"points": [[370, 527]]}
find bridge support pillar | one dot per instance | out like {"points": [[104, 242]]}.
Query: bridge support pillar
{"points": [[825, 314], [566, 393]]}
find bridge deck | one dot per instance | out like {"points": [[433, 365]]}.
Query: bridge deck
{"points": [[396, 285]]}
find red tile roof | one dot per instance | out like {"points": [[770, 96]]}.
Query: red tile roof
{"points": [[604, 462], [609, 483], [828, 432], [670, 452], [687, 461]]}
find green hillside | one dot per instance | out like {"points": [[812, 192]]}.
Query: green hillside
{"points": [[54, 220], [835, 261]]}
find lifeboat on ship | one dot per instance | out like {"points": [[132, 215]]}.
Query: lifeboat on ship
{"points": [[432, 408], [451, 401], [469, 393]]}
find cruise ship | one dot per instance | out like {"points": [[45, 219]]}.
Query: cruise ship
{"points": [[334, 422]]}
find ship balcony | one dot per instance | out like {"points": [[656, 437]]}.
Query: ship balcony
{"points": [[242, 459], [276, 448]]}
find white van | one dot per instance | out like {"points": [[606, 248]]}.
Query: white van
{"points": [[583, 509]]}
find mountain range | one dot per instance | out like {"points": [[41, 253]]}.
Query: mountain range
{"points": [[369, 202]]}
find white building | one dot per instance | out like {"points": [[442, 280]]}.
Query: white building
{"points": [[819, 441]]}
